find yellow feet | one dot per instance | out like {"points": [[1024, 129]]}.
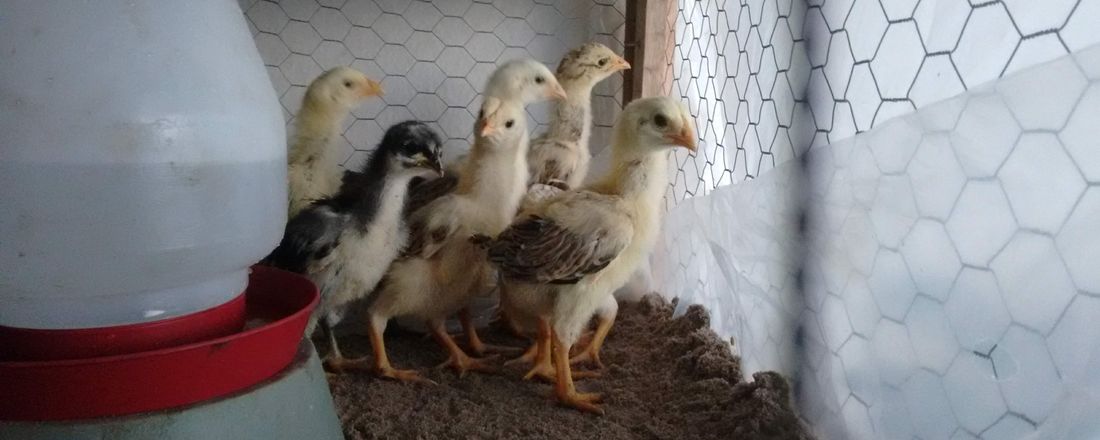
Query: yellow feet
{"points": [[405, 376], [382, 367], [456, 358], [338, 364], [591, 352], [462, 363], [527, 357], [582, 401], [542, 369], [591, 355], [564, 390]]}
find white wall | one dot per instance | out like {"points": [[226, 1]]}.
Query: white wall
{"points": [[944, 263]]}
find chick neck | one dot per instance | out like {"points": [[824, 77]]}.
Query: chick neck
{"points": [[316, 126], [494, 177], [380, 186], [640, 172], [573, 114]]}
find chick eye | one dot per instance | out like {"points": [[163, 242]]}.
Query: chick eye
{"points": [[509, 123], [539, 80], [603, 62], [481, 114], [660, 120]]}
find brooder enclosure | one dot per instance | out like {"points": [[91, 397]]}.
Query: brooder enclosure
{"points": [[653, 219], [889, 204]]}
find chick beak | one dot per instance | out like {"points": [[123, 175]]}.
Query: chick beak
{"points": [[620, 64], [483, 128], [438, 167], [557, 92], [685, 138], [373, 88]]}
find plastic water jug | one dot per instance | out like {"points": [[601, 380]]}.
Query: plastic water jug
{"points": [[142, 160]]}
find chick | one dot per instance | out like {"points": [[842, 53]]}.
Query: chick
{"points": [[560, 156], [520, 80], [441, 270], [523, 80], [312, 173], [559, 159], [344, 243], [571, 252]]}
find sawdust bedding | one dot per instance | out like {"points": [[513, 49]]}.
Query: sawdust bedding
{"points": [[666, 378]]}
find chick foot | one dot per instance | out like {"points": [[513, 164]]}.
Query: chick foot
{"points": [[404, 376], [462, 363], [547, 373], [543, 368], [590, 355], [457, 359], [339, 364], [564, 390], [527, 357], [476, 345], [382, 367], [582, 401], [591, 352]]}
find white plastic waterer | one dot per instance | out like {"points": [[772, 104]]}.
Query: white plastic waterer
{"points": [[142, 161], [142, 172]]}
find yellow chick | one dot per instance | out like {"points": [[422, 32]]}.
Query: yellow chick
{"points": [[312, 172]]}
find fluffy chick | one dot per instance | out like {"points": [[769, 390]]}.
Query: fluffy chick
{"points": [[312, 172], [521, 81], [441, 270], [574, 250], [344, 243], [559, 158]]}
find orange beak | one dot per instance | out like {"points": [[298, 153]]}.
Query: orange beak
{"points": [[557, 92], [685, 138], [620, 64], [483, 128], [373, 88]]}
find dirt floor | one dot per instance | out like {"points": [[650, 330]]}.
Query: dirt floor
{"points": [[665, 379]]}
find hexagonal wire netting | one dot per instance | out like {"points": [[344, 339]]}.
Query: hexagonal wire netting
{"points": [[906, 307], [939, 287], [433, 58]]}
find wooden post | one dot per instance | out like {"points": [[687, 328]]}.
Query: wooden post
{"points": [[649, 40]]}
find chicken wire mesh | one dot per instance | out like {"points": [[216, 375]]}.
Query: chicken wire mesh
{"points": [[920, 273], [432, 58]]}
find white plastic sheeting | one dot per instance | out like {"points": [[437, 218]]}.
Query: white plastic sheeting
{"points": [[948, 266], [945, 290]]}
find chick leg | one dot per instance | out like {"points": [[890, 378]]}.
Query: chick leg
{"points": [[527, 357], [335, 360], [591, 353], [382, 367], [473, 341], [543, 368], [540, 358], [564, 390], [457, 359]]}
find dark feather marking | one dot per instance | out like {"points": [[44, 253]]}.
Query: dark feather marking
{"points": [[538, 250], [424, 191], [315, 232]]}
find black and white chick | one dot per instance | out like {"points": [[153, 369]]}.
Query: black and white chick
{"points": [[345, 243]]}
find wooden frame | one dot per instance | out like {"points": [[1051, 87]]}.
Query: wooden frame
{"points": [[649, 41]]}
